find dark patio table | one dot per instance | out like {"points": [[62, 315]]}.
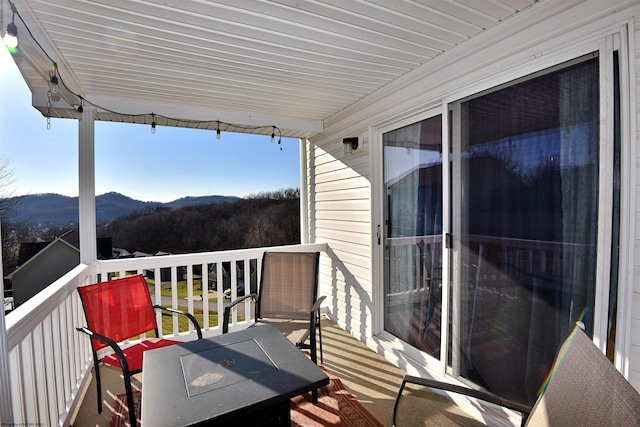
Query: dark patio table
{"points": [[241, 378]]}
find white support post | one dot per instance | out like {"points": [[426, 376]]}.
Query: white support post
{"points": [[87, 187], [304, 203], [6, 405]]}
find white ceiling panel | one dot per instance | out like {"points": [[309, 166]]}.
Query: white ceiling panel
{"points": [[289, 63]]}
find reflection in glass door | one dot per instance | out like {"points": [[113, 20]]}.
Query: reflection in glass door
{"points": [[528, 207], [413, 234]]}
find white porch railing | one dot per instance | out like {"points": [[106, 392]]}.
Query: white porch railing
{"points": [[49, 360]]}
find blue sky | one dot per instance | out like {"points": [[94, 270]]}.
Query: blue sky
{"points": [[171, 164]]}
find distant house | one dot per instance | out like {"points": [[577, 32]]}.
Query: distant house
{"points": [[41, 263], [118, 253]]}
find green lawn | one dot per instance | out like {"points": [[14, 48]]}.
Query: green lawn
{"points": [[183, 322], [181, 289]]}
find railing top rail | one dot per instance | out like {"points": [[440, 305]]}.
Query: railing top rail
{"points": [[24, 319], [203, 257]]}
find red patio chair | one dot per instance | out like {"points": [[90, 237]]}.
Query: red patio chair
{"points": [[118, 310]]}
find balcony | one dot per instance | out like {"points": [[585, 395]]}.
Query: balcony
{"points": [[49, 362], [336, 79]]}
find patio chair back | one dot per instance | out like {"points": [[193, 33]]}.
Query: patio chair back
{"points": [[585, 389], [118, 309], [288, 285]]}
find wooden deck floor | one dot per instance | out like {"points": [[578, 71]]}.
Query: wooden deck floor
{"points": [[371, 379]]}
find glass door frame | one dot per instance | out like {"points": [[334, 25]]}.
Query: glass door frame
{"points": [[615, 40], [378, 213]]}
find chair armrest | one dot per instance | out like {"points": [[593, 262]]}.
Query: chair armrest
{"points": [[114, 346], [184, 313], [314, 321], [314, 318], [227, 310], [316, 305], [478, 394]]}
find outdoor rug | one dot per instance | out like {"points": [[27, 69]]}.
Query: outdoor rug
{"points": [[336, 407], [120, 415]]}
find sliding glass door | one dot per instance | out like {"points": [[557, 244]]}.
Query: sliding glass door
{"points": [[527, 202], [413, 233], [529, 180]]}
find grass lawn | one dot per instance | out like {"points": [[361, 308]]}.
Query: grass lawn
{"points": [[181, 289], [183, 322]]}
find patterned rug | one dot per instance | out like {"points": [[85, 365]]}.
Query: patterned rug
{"points": [[120, 415], [336, 407]]}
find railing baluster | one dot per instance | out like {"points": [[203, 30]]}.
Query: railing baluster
{"points": [[204, 281], [220, 291], [190, 293], [17, 385], [56, 368], [174, 297]]}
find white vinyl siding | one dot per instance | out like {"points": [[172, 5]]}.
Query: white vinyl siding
{"points": [[345, 189]]}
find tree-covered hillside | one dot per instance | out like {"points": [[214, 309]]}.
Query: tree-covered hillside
{"points": [[266, 219]]}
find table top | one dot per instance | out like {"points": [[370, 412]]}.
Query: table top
{"points": [[223, 377]]}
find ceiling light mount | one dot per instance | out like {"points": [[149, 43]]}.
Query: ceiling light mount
{"points": [[79, 110]]}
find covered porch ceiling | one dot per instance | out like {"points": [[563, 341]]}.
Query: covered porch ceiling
{"points": [[249, 64]]}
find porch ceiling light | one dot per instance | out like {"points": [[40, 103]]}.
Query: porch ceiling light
{"points": [[11, 36], [53, 79], [218, 131], [79, 110], [153, 123], [273, 136]]}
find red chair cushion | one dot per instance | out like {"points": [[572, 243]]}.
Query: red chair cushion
{"points": [[134, 353]]}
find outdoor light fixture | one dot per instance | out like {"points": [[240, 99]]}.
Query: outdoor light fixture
{"points": [[79, 110], [218, 131], [273, 135], [350, 144], [53, 80], [153, 123], [11, 36]]}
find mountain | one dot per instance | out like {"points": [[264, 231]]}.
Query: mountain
{"points": [[55, 209]]}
